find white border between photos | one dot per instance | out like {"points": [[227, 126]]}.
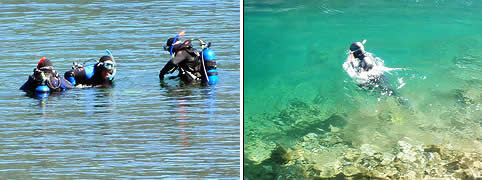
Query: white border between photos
{"points": [[241, 81]]}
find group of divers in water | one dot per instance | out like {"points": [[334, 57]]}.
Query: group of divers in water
{"points": [[193, 66]]}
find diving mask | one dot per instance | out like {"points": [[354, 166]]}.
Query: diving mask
{"points": [[109, 65], [168, 48]]}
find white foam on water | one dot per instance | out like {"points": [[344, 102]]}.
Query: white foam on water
{"points": [[400, 81], [364, 76]]}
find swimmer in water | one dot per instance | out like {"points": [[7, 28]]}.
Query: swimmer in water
{"points": [[366, 60], [45, 76], [100, 74], [193, 65], [363, 62]]}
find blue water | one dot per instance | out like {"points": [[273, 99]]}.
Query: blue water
{"points": [[136, 129], [294, 51]]}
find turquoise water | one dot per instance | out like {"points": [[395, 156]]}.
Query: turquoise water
{"points": [[294, 51], [136, 129]]}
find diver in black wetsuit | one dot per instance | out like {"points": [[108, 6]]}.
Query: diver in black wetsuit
{"points": [[45, 79], [100, 74], [186, 60], [357, 51], [367, 63]]}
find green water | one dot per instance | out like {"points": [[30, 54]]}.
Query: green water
{"points": [[294, 51]]}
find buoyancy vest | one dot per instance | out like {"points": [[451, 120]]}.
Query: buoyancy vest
{"points": [[193, 62]]}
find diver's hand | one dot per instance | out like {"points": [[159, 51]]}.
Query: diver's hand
{"points": [[161, 75], [351, 60]]}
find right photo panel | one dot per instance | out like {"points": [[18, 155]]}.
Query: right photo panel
{"points": [[371, 89]]}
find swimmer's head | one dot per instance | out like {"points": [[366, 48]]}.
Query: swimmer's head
{"points": [[170, 42], [357, 49], [107, 66], [44, 63]]}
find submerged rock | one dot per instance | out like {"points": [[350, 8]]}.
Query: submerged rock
{"points": [[431, 148], [313, 157], [258, 151], [319, 148], [301, 118]]}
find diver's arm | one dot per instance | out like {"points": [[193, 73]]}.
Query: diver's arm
{"points": [[178, 58], [69, 75], [65, 84], [350, 59], [73, 74], [29, 85], [166, 69]]}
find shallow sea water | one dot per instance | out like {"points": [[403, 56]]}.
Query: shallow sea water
{"points": [[136, 129], [294, 52]]}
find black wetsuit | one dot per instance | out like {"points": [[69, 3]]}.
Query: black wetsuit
{"points": [[365, 63], [188, 62], [379, 81], [52, 80], [89, 75]]}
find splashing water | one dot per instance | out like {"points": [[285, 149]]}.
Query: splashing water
{"points": [[366, 76], [376, 80]]}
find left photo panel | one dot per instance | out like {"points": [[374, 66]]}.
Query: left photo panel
{"points": [[120, 90]]}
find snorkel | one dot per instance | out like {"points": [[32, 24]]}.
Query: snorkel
{"points": [[175, 39], [111, 75]]}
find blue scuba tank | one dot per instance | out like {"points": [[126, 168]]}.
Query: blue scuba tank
{"points": [[42, 91], [210, 64]]}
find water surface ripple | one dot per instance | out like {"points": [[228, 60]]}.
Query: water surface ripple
{"points": [[137, 129]]}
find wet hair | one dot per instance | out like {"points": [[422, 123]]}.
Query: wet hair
{"points": [[356, 46], [105, 58], [357, 49]]}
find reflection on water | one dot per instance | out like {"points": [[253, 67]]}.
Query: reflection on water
{"points": [[136, 129]]}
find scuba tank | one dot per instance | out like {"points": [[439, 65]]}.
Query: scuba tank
{"points": [[42, 90], [209, 63], [208, 59]]}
